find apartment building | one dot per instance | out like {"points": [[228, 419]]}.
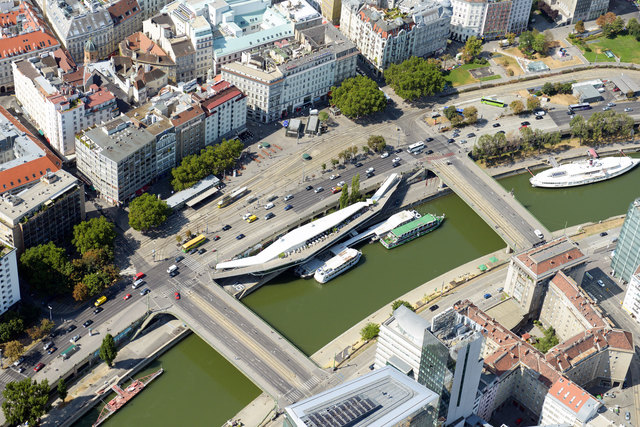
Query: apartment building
{"points": [[391, 35], [127, 19], [568, 404], [225, 110], [148, 118], [626, 257], [488, 19], [162, 30], [142, 51], [567, 309], [530, 272], [46, 210], [118, 159], [280, 79], [24, 35], [572, 11], [631, 301], [60, 103], [9, 281], [443, 356]]}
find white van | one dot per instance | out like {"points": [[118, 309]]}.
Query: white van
{"points": [[313, 112], [172, 269], [269, 206], [539, 234], [138, 283]]}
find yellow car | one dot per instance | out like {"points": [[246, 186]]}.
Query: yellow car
{"points": [[100, 301], [252, 218]]}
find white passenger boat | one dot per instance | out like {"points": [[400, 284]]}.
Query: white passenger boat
{"points": [[584, 172], [337, 265]]}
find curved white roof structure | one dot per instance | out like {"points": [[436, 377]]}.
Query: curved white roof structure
{"points": [[296, 238]]}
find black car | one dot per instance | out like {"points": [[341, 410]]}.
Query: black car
{"points": [[201, 251], [429, 139], [525, 123], [174, 273], [226, 227], [145, 291], [539, 117], [269, 215], [434, 307], [87, 323], [71, 328], [358, 165], [399, 150], [310, 187], [496, 125], [501, 131], [451, 140], [429, 151], [179, 258], [193, 251], [604, 233], [471, 135], [240, 237], [97, 310]]}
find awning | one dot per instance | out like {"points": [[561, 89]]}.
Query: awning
{"points": [[482, 267], [493, 259]]}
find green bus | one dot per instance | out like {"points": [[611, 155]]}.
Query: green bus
{"points": [[494, 102]]}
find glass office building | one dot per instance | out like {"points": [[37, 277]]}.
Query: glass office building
{"points": [[627, 254]]}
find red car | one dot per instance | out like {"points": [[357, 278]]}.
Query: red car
{"points": [[216, 238], [139, 276], [127, 296], [38, 367], [176, 295]]}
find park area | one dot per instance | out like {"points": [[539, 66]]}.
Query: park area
{"points": [[625, 47], [469, 73]]}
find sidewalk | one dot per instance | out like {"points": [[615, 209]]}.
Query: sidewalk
{"points": [[131, 358], [351, 338]]}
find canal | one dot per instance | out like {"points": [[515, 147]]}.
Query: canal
{"points": [[208, 390]]}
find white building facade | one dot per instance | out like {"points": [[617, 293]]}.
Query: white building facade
{"points": [[631, 301], [488, 19], [9, 283]]}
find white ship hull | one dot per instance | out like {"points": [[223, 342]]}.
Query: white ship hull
{"points": [[583, 172], [337, 265]]}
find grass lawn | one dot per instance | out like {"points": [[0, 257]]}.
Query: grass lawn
{"points": [[494, 77], [461, 76], [627, 48]]}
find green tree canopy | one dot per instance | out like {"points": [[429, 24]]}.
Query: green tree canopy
{"points": [[450, 112], [516, 106], [414, 78], [214, 159], [13, 350], [358, 97], [62, 389], [376, 143], [534, 41], [633, 28], [355, 188], [96, 233], [147, 211], [471, 49], [47, 268], [108, 350], [370, 331], [400, 302], [11, 329], [25, 401], [344, 197], [533, 103], [323, 116], [470, 115], [579, 27]]}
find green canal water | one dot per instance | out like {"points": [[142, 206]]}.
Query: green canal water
{"points": [[199, 387]]}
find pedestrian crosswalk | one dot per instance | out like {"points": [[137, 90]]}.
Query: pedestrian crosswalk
{"points": [[194, 264], [310, 383]]}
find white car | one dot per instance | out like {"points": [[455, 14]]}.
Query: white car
{"points": [[626, 110], [601, 283], [269, 206], [370, 170], [540, 113], [611, 104], [341, 184], [336, 176], [288, 197], [396, 160], [246, 216], [384, 155]]}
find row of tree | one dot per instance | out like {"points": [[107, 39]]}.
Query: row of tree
{"points": [[49, 270], [519, 107], [213, 160], [611, 24], [531, 42], [490, 147], [602, 125], [347, 199], [468, 117], [416, 77]]}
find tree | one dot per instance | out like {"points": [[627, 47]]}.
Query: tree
{"points": [[471, 49], [370, 331], [323, 116], [355, 189], [62, 389], [366, 149], [606, 19], [549, 89], [11, 329], [457, 120], [80, 292], [631, 94], [450, 112], [46, 268], [376, 143], [324, 167], [108, 350], [25, 401], [358, 97], [334, 162], [579, 27], [470, 115], [400, 302], [633, 28], [516, 106], [96, 233], [344, 197], [613, 29], [147, 211], [42, 330], [533, 103], [414, 78], [446, 58], [13, 350], [511, 38]]}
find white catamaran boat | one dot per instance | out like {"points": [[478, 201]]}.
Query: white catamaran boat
{"points": [[337, 265], [584, 172]]}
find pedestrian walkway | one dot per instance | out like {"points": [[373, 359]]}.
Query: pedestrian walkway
{"points": [[83, 394]]}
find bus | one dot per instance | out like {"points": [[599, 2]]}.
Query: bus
{"points": [[578, 107], [194, 243], [228, 199], [100, 301], [491, 101], [416, 148]]}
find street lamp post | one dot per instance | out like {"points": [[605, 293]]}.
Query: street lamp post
{"points": [[50, 315]]}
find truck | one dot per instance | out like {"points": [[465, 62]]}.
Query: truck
{"points": [[69, 351]]}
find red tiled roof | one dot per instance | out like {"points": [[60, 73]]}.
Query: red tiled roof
{"points": [[570, 394], [186, 115], [65, 62], [76, 78], [25, 172], [140, 42], [100, 96], [123, 10], [31, 22], [226, 94], [569, 288], [29, 42], [541, 267]]}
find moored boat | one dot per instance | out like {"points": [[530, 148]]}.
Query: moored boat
{"points": [[337, 265], [411, 230]]}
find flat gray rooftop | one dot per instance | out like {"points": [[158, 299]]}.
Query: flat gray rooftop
{"points": [[119, 144], [551, 251]]}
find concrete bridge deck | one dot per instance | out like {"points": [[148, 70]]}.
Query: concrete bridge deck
{"points": [[510, 220]]}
